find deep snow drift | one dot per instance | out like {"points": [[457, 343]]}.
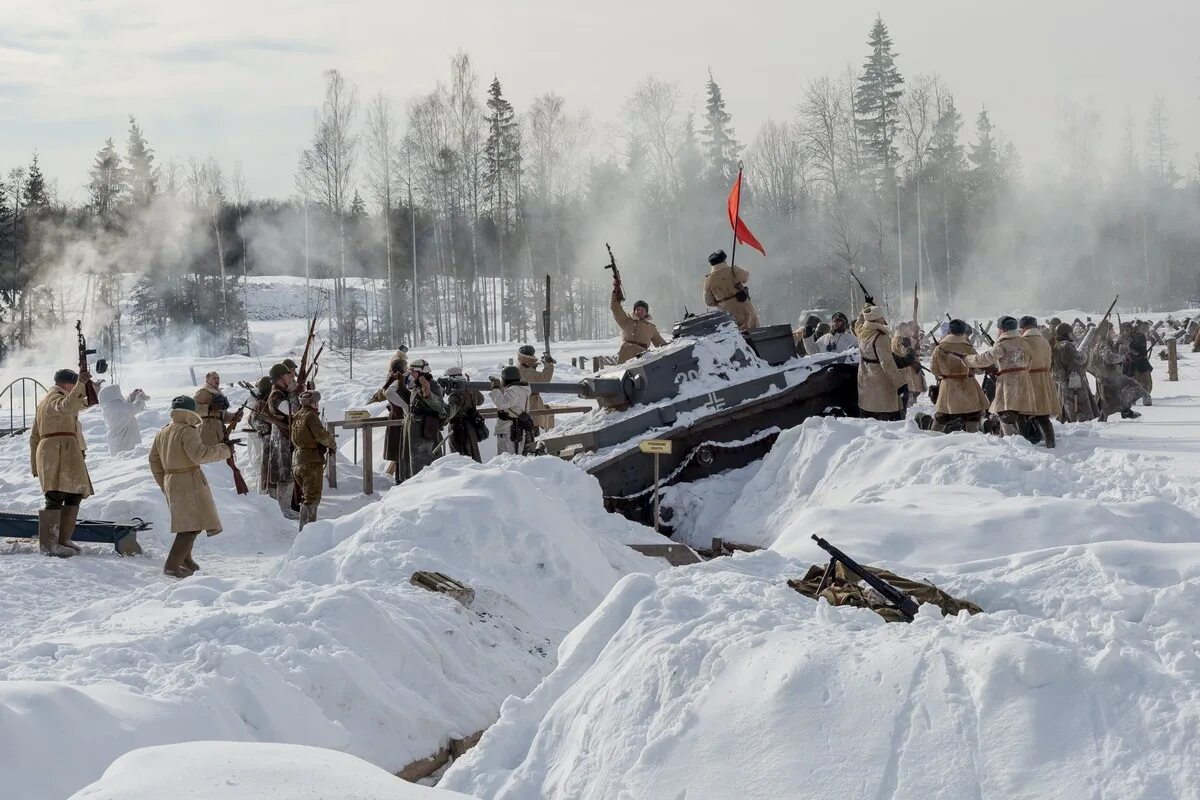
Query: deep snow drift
{"points": [[245, 771], [331, 646], [1082, 679]]}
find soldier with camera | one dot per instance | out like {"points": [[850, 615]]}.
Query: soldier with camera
{"points": [[425, 413], [467, 426]]}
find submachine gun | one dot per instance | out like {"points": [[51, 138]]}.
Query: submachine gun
{"points": [[893, 596], [101, 364], [612, 264]]}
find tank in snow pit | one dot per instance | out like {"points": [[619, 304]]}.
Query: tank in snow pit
{"points": [[719, 396]]}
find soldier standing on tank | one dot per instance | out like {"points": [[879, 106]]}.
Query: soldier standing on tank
{"points": [[279, 408], [882, 388], [840, 338], [638, 331], [510, 396], [527, 362], [57, 448], [312, 443], [725, 287]]}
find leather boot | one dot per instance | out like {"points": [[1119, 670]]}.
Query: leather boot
{"points": [[67, 528], [307, 514], [174, 566], [187, 557], [1047, 429], [49, 528], [1009, 429], [971, 426]]}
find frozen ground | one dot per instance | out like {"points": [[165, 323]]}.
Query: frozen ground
{"points": [[611, 678]]}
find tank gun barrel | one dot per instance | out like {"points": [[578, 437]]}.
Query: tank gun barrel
{"points": [[588, 388]]}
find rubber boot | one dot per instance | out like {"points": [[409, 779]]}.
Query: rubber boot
{"points": [[971, 426], [306, 516], [938, 427], [1047, 429], [1009, 429], [174, 566], [187, 557], [49, 529], [70, 514]]}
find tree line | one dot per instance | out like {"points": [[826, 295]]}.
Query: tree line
{"points": [[436, 222]]}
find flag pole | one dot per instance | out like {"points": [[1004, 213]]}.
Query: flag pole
{"points": [[737, 213]]}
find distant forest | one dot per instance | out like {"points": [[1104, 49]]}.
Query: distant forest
{"points": [[869, 169]]}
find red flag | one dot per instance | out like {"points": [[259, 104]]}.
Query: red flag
{"points": [[740, 232]]}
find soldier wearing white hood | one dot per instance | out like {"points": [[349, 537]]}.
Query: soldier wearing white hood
{"points": [[120, 417]]}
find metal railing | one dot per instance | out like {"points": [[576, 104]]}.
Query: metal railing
{"points": [[37, 389]]}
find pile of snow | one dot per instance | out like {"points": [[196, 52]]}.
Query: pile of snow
{"points": [[718, 680], [229, 771], [332, 646]]}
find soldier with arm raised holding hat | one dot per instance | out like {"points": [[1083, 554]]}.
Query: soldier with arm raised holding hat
{"points": [[57, 450]]}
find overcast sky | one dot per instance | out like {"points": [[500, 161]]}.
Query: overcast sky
{"points": [[239, 80]]}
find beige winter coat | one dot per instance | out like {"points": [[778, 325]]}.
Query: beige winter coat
{"points": [[1010, 357], [879, 379], [913, 374], [1046, 400], [56, 444], [720, 290], [212, 429], [531, 374], [637, 335], [175, 459], [958, 391]]}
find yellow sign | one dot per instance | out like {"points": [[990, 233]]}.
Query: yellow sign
{"points": [[656, 446], [357, 413]]}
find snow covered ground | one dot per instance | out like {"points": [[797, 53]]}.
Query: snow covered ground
{"points": [[611, 677]]}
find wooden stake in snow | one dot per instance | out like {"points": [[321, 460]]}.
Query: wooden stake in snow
{"points": [[1172, 360]]}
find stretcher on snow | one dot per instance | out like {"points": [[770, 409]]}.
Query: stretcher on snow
{"points": [[121, 535]]}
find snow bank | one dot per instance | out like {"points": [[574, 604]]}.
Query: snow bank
{"points": [[333, 647], [227, 771], [719, 681]]}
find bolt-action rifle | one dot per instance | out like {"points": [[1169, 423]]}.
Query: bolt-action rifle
{"points": [[894, 597]]}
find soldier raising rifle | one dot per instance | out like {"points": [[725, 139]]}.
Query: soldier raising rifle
{"points": [[57, 449], [638, 331]]}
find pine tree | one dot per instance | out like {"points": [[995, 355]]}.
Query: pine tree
{"points": [[358, 207], [142, 174], [502, 155], [984, 173], [721, 149], [876, 104], [107, 184], [36, 198]]}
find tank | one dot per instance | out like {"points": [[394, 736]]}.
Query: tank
{"points": [[719, 396]]}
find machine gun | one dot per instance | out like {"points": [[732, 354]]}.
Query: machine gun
{"points": [[239, 482], [893, 596], [618, 290], [89, 387]]}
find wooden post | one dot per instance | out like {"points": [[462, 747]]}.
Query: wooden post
{"points": [[1172, 360], [368, 462], [595, 363], [718, 546], [331, 461], [656, 492]]}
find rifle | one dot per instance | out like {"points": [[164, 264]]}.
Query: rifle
{"points": [[89, 388], [612, 264], [893, 596], [915, 284], [239, 482], [546, 323], [1110, 310], [311, 375], [866, 295], [986, 336], [302, 371]]}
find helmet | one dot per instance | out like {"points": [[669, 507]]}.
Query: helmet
{"points": [[278, 371], [418, 363], [290, 364], [527, 350], [1007, 323], [641, 304], [263, 387], [510, 375], [717, 258], [184, 402], [454, 372]]}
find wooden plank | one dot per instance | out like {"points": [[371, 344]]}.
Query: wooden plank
{"points": [[677, 555]]}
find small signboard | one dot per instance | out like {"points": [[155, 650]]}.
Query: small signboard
{"points": [[357, 414], [656, 446]]}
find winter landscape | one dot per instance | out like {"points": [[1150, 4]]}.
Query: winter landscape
{"points": [[199, 200]]}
